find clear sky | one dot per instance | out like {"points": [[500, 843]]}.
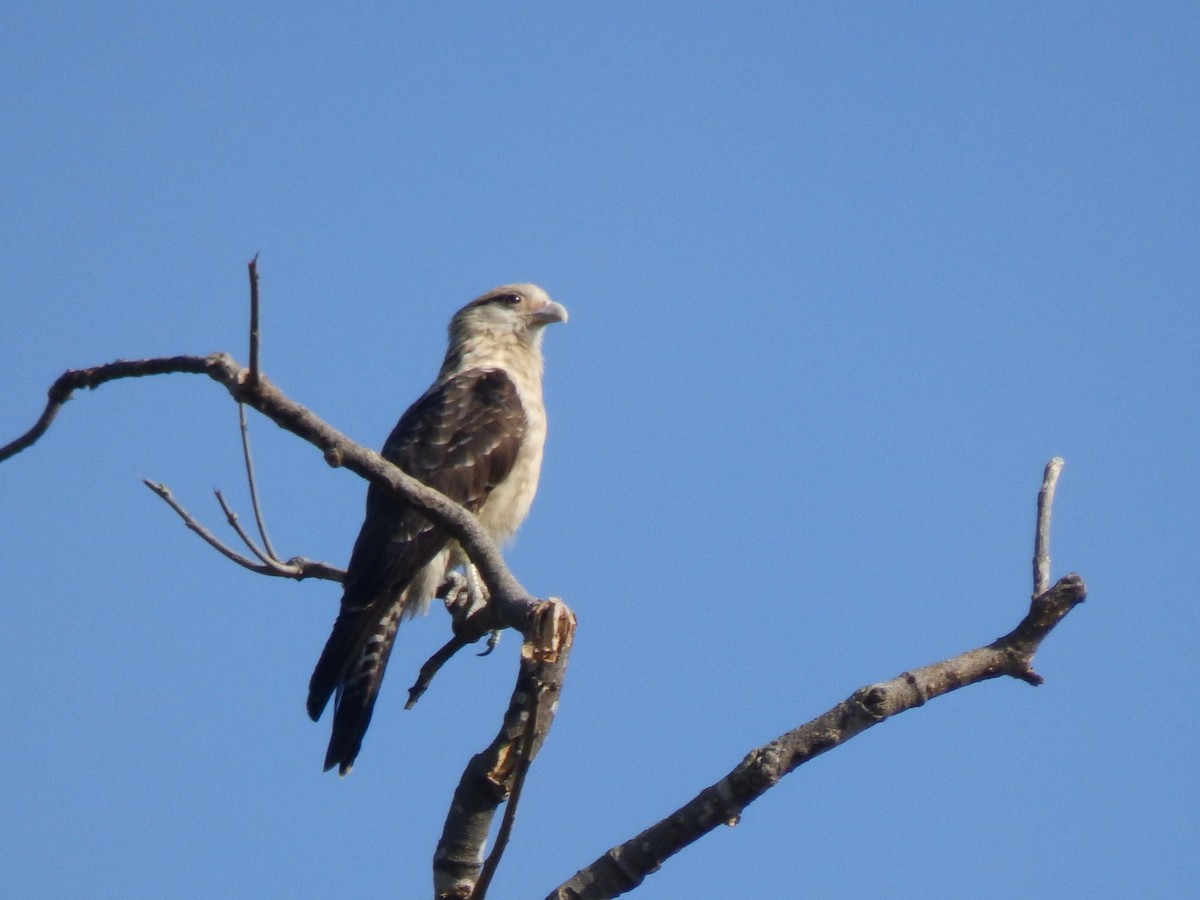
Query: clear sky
{"points": [[841, 280]]}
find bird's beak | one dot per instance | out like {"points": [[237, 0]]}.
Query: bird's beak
{"points": [[550, 312]]}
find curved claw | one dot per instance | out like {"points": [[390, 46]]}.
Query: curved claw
{"points": [[493, 640]]}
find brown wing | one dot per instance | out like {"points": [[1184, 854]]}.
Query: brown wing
{"points": [[461, 438]]}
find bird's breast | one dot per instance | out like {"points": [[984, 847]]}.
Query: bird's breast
{"points": [[509, 502]]}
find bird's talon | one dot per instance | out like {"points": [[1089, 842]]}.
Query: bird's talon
{"points": [[493, 640]]}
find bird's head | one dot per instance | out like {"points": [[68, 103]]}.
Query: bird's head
{"points": [[515, 310]]}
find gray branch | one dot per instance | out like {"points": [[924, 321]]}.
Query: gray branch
{"points": [[514, 604], [1041, 540], [492, 776], [624, 867], [547, 626]]}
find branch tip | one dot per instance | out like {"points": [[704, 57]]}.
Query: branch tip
{"points": [[252, 268], [1011, 655], [1041, 540], [433, 665], [1030, 677]]}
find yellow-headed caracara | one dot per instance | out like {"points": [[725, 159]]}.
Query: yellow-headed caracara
{"points": [[476, 435]]}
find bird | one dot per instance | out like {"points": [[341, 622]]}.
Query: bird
{"points": [[477, 436]]}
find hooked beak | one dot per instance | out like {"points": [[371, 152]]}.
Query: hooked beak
{"points": [[550, 312]]}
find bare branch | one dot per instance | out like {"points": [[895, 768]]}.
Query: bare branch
{"points": [[514, 605], [547, 626], [232, 519], [470, 624], [524, 761], [301, 567], [434, 664], [252, 267], [194, 525], [70, 381], [253, 483], [12, 448], [496, 773], [490, 776], [297, 567], [624, 867], [1041, 541]]}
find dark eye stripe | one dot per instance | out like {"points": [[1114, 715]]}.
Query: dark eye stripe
{"points": [[511, 299]]}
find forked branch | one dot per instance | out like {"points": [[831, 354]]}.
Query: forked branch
{"points": [[547, 626], [514, 604], [495, 775], [624, 867], [297, 567]]}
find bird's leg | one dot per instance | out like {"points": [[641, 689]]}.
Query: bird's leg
{"points": [[479, 597], [475, 589], [465, 594]]}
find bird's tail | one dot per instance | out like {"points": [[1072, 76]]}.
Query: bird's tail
{"points": [[352, 666]]}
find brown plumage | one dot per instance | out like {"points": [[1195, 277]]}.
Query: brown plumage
{"points": [[476, 435]]}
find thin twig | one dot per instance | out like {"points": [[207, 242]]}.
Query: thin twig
{"points": [[194, 524], [254, 370], [298, 567], [253, 483], [434, 664], [470, 624], [232, 518], [1041, 541], [12, 448]]}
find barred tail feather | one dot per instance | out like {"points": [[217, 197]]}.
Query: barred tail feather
{"points": [[352, 666]]}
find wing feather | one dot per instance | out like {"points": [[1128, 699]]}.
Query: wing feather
{"points": [[462, 438]]}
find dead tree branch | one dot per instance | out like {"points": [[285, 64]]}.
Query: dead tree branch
{"points": [[626, 866], [298, 567], [252, 483], [1041, 540], [73, 380], [504, 834], [496, 774], [547, 626], [252, 269], [433, 665], [491, 777], [470, 624], [235, 523], [514, 604]]}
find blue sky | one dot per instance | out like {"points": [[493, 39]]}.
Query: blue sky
{"points": [[841, 280]]}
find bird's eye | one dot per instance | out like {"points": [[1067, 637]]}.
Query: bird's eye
{"points": [[509, 299]]}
